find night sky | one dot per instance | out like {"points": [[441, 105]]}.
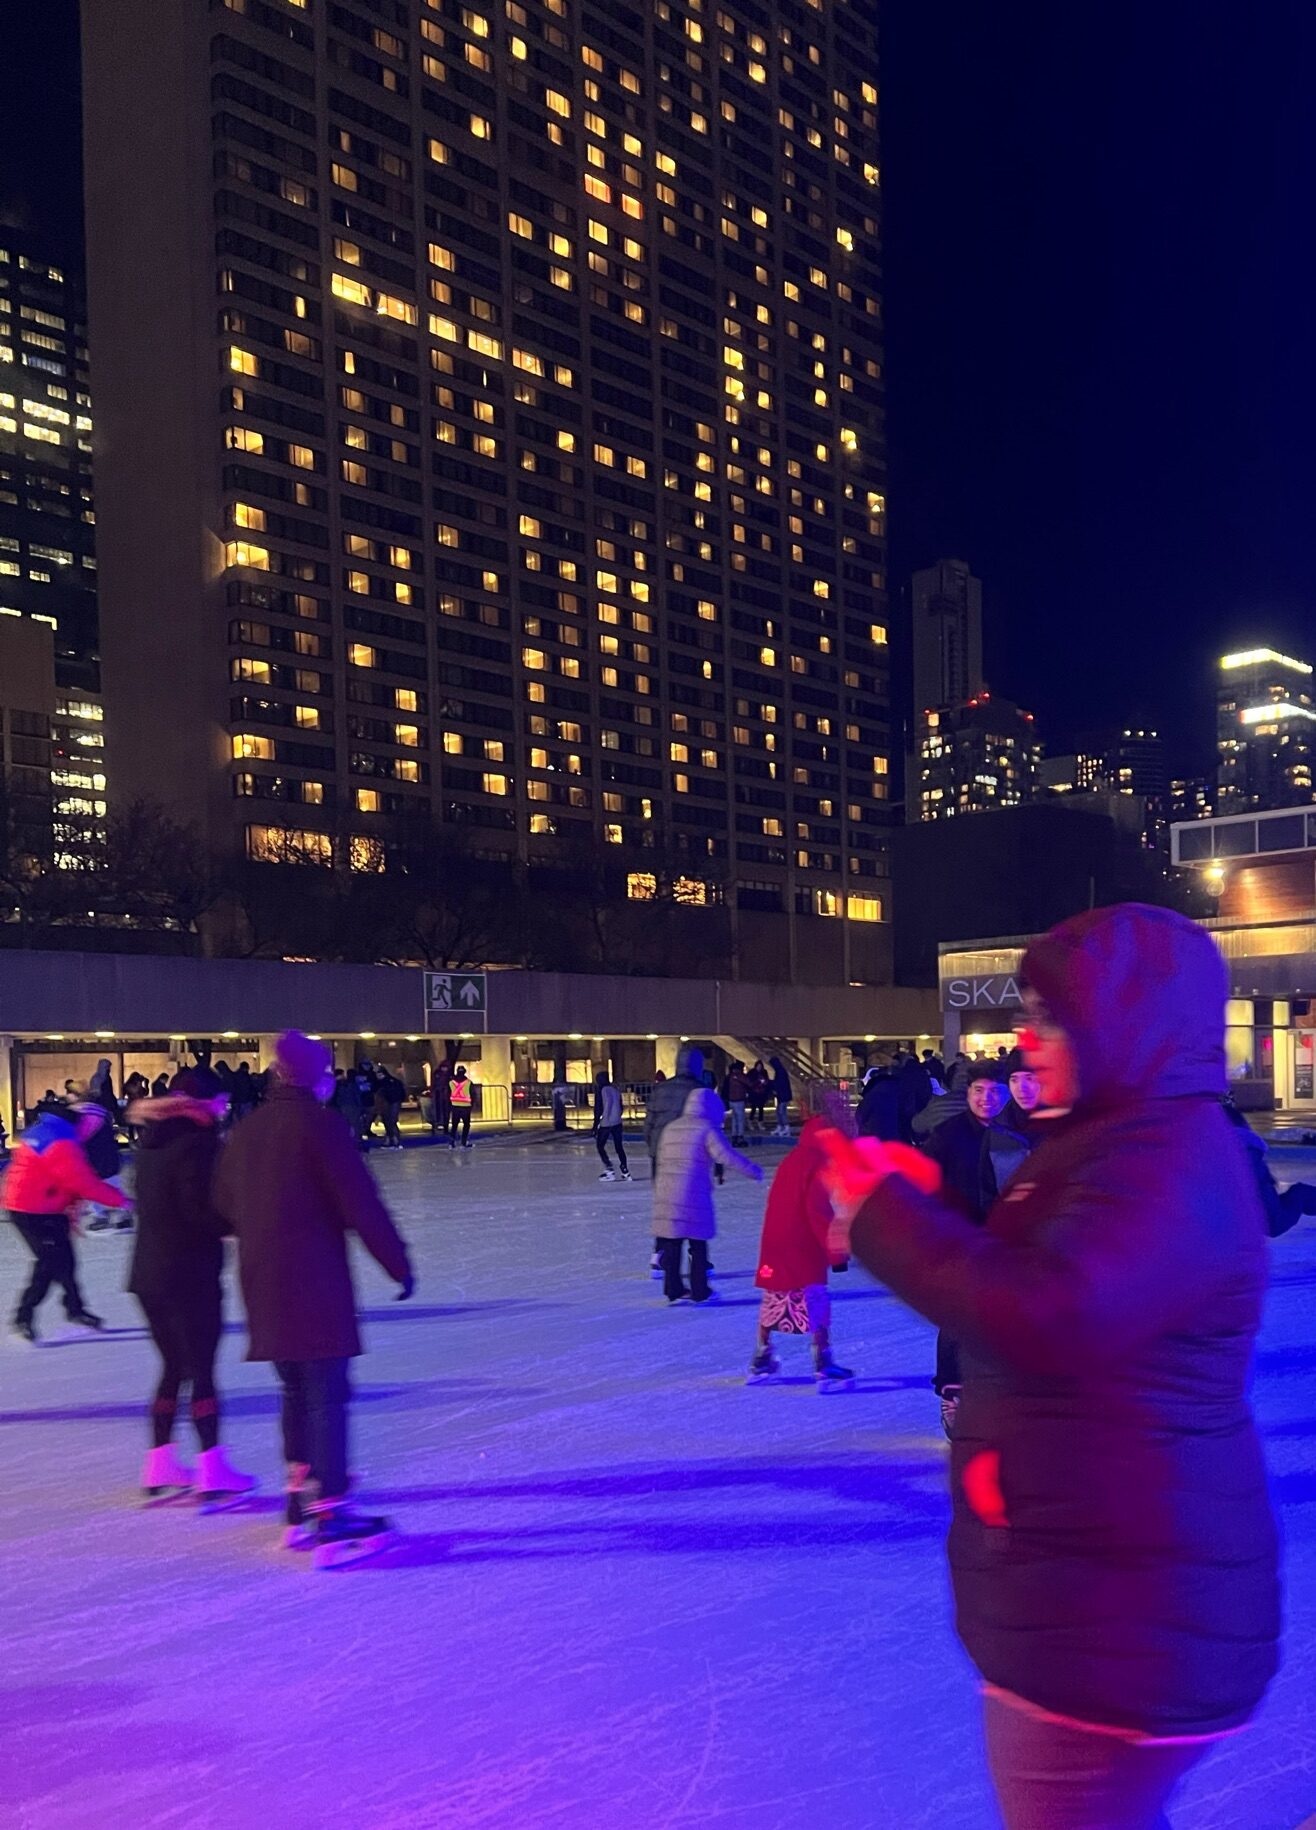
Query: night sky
{"points": [[1101, 326]]}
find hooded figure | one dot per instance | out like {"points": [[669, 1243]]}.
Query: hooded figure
{"points": [[1113, 1549], [667, 1100], [683, 1190]]}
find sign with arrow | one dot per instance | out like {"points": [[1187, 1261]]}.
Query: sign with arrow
{"points": [[456, 994]]}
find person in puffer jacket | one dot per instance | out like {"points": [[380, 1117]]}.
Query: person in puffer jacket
{"points": [[47, 1174], [688, 1148], [1113, 1549]]}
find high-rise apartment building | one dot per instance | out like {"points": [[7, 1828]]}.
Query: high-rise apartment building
{"points": [[491, 432], [47, 519], [946, 602], [975, 757], [1265, 732]]}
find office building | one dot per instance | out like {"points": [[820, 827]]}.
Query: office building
{"points": [[1192, 797], [1265, 732], [946, 603], [27, 710], [976, 756], [47, 518], [491, 400]]}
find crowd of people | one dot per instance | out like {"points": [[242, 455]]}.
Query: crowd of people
{"points": [[1082, 1219]]}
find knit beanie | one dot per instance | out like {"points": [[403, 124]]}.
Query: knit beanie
{"points": [[301, 1062]]}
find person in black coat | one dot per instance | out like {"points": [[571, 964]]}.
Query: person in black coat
{"points": [[1113, 1549], [878, 1112], [177, 1262]]}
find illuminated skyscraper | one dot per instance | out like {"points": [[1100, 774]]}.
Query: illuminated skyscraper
{"points": [[1265, 732], [975, 757], [491, 399]]}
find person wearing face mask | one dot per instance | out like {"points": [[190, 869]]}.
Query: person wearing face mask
{"points": [[1113, 1549], [959, 1148], [291, 1185]]}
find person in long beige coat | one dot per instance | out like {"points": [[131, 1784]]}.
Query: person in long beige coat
{"points": [[683, 1191]]}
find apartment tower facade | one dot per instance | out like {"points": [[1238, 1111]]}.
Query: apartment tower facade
{"points": [[490, 435]]}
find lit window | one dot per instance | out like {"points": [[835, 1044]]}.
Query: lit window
{"points": [[247, 746], [863, 908], [367, 800], [612, 834], [360, 654], [242, 362], [493, 784]]}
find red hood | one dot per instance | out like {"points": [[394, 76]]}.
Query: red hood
{"points": [[1141, 993]]}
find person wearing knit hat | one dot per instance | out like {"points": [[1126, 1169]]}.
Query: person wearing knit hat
{"points": [[292, 1186]]}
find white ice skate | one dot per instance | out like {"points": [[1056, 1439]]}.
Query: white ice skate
{"points": [[343, 1536], [219, 1484], [164, 1476]]}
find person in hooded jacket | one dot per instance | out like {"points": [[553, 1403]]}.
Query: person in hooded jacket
{"points": [[781, 1093], [101, 1146], [683, 1191], [758, 1085], [667, 1101], [1113, 1549], [48, 1174], [177, 1264], [878, 1112]]}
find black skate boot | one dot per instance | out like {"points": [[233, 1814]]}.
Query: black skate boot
{"points": [[763, 1368], [24, 1332], [830, 1376], [85, 1319], [343, 1536], [298, 1526]]}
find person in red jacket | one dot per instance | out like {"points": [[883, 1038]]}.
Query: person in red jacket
{"points": [[47, 1174], [793, 1254]]}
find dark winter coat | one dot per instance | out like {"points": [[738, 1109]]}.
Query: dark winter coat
{"points": [[178, 1247], [101, 1146], [957, 1148], [915, 1087], [666, 1102], [878, 1114], [1113, 1550], [292, 1185]]}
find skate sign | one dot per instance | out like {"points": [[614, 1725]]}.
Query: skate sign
{"points": [[456, 1000]]}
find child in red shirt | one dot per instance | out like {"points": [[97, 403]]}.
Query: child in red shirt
{"points": [[793, 1256]]}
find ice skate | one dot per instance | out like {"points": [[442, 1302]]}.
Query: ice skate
{"points": [[217, 1482], [164, 1476], [343, 1536], [950, 1405], [763, 1368], [656, 1266], [24, 1334], [626, 1176], [607, 1175], [83, 1318], [703, 1301], [830, 1376], [298, 1526]]}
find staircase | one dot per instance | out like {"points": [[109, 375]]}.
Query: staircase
{"points": [[798, 1064]]}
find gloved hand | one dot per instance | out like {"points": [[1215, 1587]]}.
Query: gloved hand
{"points": [[856, 1166], [406, 1289]]}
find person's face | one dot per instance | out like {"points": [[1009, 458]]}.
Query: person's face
{"points": [[986, 1099], [1024, 1089], [1049, 1054]]}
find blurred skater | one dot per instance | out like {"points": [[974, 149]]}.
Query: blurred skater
{"points": [[688, 1148], [48, 1173], [794, 1256], [292, 1187], [1113, 1548], [178, 1261]]}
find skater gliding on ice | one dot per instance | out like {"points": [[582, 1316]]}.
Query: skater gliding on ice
{"points": [[683, 1209], [48, 1174], [794, 1256], [608, 1128], [178, 1261], [1113, 1549], [292, 1186]]}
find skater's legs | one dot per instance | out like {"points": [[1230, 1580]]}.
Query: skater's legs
{"points": [[601, 1137], [1051, 1776], [461, 1121], [392, 1133], [737, 1121], [948, 1363], [49, 1240], [202, 1323], [293, 1417], [328, 1392], [162, 1320], [673, 1286], [699, 1284], [621, 1149]]}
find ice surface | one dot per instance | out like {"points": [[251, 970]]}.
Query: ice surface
{"points": [[633, 1594]]}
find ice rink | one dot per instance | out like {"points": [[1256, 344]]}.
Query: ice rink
{"points": [[631, 1595]]}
